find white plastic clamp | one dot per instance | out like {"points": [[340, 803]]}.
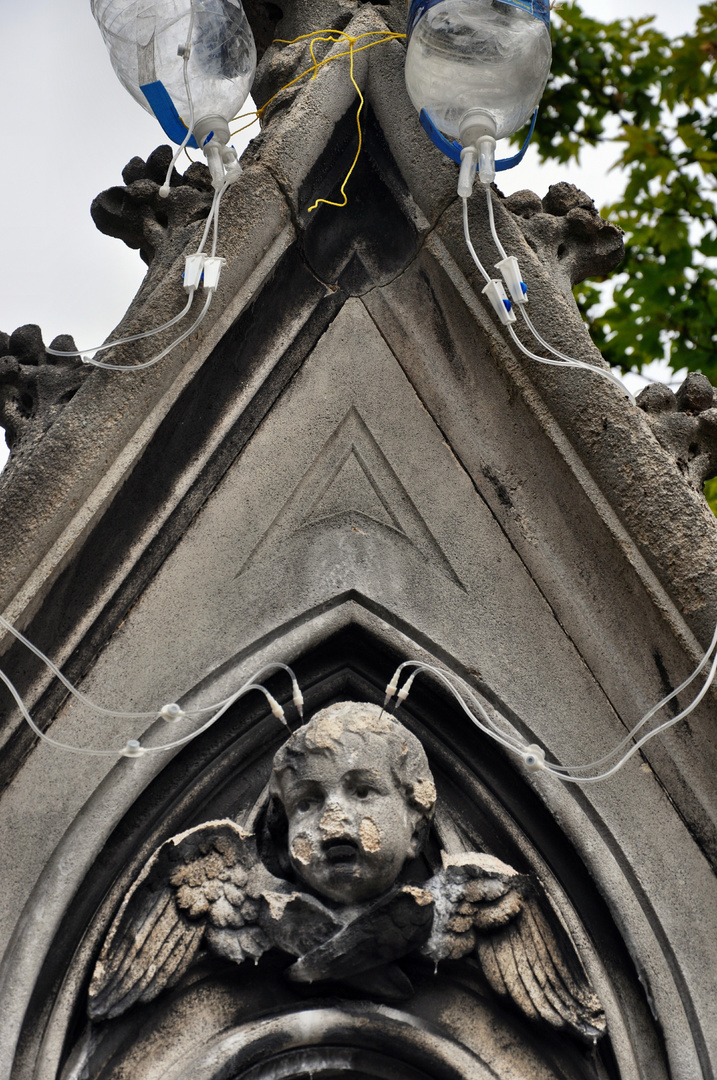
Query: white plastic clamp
{"points": [[501, 304], [193, 269], [133, 749], [534, 758], [172, 712], [212, 269], [513, 278]]}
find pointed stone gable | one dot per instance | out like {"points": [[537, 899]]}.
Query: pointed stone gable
{"points": [[347, 468], [350, 485]]}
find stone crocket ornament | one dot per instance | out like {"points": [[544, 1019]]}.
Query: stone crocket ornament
{"points": [[351, 801]]}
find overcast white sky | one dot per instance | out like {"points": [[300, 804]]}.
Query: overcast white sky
{"points": [[69, 130]]}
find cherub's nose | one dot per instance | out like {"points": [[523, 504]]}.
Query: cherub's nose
{"points": [[333, 821]]}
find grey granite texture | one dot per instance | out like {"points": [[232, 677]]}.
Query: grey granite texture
{"points": [[567, 233], [351, 466]]}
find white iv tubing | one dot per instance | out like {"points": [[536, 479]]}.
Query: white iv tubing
{"points": [[212, 221], [133, 747], [564, 360], [533, 755], [272, 666]]}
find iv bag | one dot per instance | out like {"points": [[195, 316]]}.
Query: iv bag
{"points": [[488, 57], [146, 40]]}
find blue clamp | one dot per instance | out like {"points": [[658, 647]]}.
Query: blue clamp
{"points": [[453, 149]]}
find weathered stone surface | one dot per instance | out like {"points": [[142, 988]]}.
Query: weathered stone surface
{"points": [[345, 481], [136, 214], [567, 233], [346, 521], [35, 386], [685, 424], [62, 471], [263, 16], [351, 803]]}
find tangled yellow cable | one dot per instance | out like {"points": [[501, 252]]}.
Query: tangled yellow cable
{"points": [[329, 36]]}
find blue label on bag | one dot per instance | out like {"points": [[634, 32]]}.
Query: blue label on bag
{"points": [[163, 108], [540, 9]]}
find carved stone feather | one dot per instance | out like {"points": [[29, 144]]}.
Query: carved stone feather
{"points": [[487, 909], [206, 884]]}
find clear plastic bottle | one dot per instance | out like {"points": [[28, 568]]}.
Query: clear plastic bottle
{"points": [[486, 58], [146, 41]]}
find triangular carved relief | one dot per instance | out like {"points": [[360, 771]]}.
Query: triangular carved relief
{"points": [[351, 482]]}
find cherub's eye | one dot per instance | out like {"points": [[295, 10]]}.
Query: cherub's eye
{"points": [[306, 804], [363, 791]]}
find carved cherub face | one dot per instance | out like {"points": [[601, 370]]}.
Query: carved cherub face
{"points": [[356, 789]]}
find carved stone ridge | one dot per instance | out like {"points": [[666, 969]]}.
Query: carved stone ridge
{"points": [[567, 233], [138, 215], [34, 385], [685, 425]]}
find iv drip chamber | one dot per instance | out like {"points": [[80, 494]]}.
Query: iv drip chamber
{"points": [[477, 61], [147, 42]]}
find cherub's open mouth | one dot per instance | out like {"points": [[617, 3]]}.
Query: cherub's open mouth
{"points": [[342, 850]]}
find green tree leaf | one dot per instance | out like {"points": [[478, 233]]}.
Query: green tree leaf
{"points": [[655, 98]]}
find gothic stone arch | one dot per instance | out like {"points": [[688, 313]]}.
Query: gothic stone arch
{"points": [[349, 467]]}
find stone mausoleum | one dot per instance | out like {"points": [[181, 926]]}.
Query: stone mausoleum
{"points": [[349, 466]]}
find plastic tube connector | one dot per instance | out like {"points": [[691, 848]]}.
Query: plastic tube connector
{"points": [[172, 712], [477, 131], [231, 164], [193, 270], [275, 707], [213, 154], [534, 758], [133, 749], [486, 159], [501, 304], [514, 279], [467, 175], [212, 270], [405, 689], [391, 690]]}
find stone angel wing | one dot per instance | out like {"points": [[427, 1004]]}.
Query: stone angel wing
{"points": [[485, 908], [205, 886]]}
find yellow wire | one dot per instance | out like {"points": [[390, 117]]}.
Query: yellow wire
{"points": [[329, 202], [319, 36], [388, 36], [255, 114]]}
